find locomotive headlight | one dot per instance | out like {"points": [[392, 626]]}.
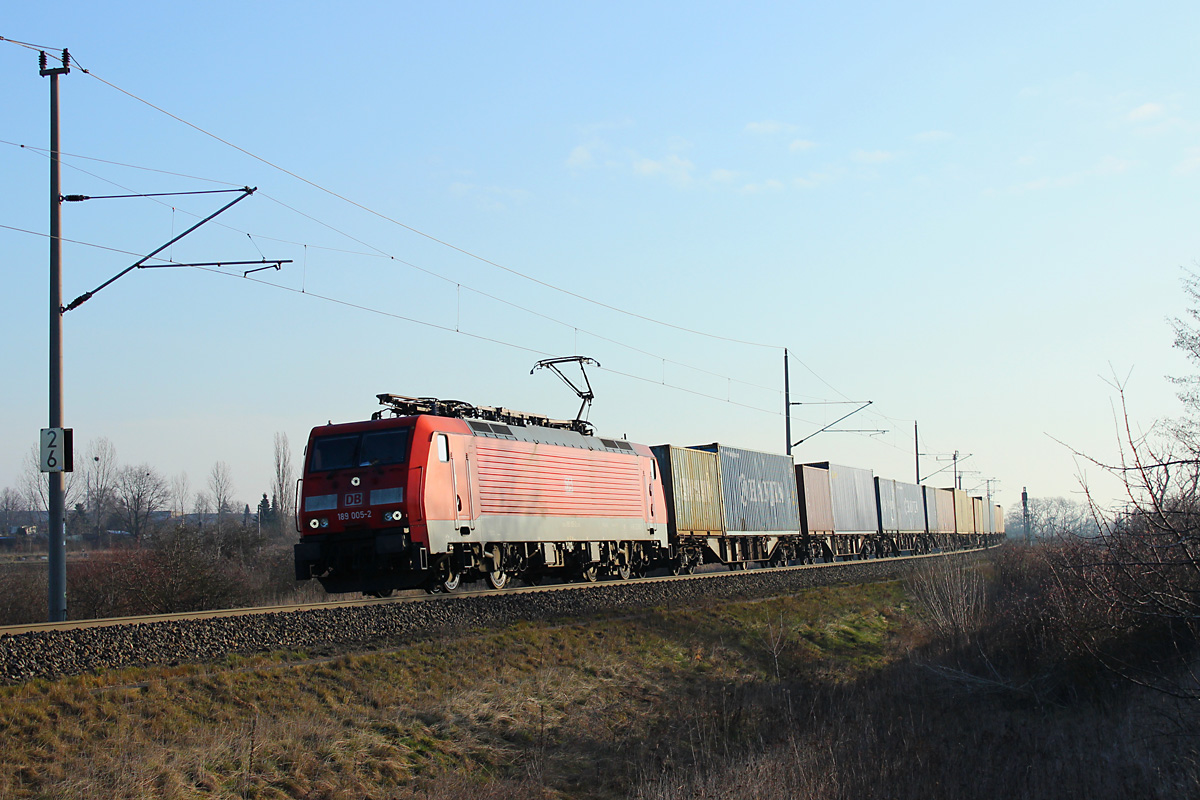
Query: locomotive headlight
{"points": [[314, 523], [355, 481]]}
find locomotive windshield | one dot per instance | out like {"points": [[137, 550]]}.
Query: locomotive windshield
{"points": [[368, 449]]}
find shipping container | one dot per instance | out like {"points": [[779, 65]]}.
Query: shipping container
{"points": [[944, 499], [758, 491], [977, 514], [964, 514], [885, 504], [816, 511], [989, 518], [852, 492], [910, 507], [931, 514], [692, 484], [1000, 520]]}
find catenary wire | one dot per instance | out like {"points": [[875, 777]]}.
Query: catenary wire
{"points": [[414, 320], [436, 239], [379, 253], [421, 233]]}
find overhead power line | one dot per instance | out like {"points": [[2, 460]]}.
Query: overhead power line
{"points": [[450, 245], [422, 233], [380, 253]]}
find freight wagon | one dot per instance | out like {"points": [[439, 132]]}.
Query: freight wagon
{"points": [[434, 492]]}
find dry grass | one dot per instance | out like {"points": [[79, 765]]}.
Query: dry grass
{"points": [[576, 709], [825, 694]]}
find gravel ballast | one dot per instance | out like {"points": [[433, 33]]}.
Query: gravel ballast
{"points": [[55, 653]]}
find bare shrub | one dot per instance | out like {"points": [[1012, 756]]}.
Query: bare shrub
{"points": [[951, 593], [23, 588]]}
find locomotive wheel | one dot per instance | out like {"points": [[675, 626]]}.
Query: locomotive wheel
{"points": [[590, 573], [449, 582], [497, 579], [379, 593], [624, 571]]}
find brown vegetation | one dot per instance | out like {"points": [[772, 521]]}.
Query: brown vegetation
{"points": [[181, 569], [851, 692]]}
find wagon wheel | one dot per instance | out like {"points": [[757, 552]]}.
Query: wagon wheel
{"points": [[497, 579]]}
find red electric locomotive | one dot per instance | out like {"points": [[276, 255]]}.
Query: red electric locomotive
{"points": [[440, 491]]}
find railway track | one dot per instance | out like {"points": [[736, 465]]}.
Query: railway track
{"points": [[48, 650]]}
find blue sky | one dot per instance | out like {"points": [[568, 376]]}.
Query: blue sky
{"points": [[972, 217]]}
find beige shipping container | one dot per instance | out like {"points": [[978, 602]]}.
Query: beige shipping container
{"points": [[945, 510], [964, 513], [977, 515], [1000, 520], [692, 482], [816, 512]]}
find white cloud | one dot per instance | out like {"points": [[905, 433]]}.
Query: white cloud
{"points": [[1146, 111], [1111, 165], [1190, 163], [873, 156], [580, 157], [932, 136], [801, 144], [770, 127], [676, 169], [770, 185], [1105, 167]]}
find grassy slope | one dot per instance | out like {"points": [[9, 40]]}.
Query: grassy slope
{"points": [[579, 708], [818, 695]]}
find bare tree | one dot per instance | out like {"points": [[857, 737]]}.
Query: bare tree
{"points": [[284, 485], [181, 494], [141, 492], [1050, 517], [99, 477], [1141, 567], [202, 507], [34, 485], [12, 508], [220, 484]]}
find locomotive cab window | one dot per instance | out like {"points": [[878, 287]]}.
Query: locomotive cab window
{"points": [[443, 446], [369, 449], [334, 452], [384, 447]]}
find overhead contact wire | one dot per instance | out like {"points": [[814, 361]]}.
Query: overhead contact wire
{"points": [[423, 234]]}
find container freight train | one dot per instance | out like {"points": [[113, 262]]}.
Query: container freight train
{"points": [[430, 493]]}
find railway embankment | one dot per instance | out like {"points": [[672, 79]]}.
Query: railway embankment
{"points": [[325, 630]]}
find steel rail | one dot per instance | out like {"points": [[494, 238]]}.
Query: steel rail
{"points": [[13, 630]]}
